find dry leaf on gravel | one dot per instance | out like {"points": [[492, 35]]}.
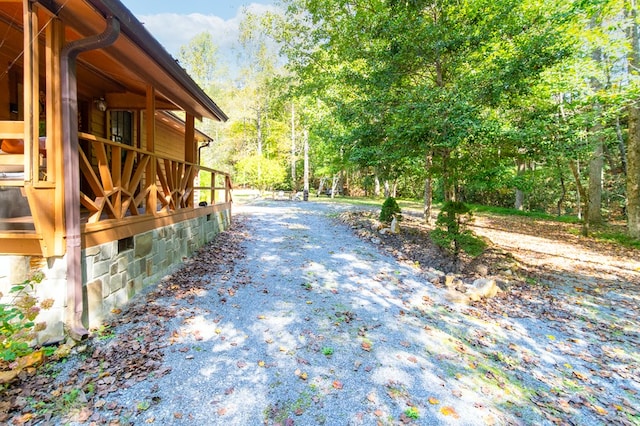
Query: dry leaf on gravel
{"points": [[449, 411]]}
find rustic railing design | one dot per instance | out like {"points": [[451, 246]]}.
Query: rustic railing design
{"points": [[119, 188]]}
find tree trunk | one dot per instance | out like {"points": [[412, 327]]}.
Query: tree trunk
{"points": [[376, 188], [595, 182], [582, 198], [321, 186], [564, 189], [519, 203], [621, 147], [294, 185], [428, 189], [633, 173], [447, 180], [633, 144], [259, 131], [306, 165], [334, 185], [387, 192], [593, 203]]}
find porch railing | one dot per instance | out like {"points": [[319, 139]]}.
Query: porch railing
{"points": [[116, 185]]}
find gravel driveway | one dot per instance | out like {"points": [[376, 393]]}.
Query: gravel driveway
{"points": [[309, 325]]}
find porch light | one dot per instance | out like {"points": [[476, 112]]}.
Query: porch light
{"points": [[101, 104]]}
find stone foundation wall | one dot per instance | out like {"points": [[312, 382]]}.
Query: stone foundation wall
{"points": [[113, 273]]}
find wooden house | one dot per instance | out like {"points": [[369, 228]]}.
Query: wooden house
{"points": [[99, 159]]}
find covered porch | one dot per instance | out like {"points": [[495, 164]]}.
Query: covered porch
{"points": [[99, 157]]}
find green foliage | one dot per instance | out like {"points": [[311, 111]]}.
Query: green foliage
{"points": [[504, 211], [199, 57], [260, 172], [483, 98], [412, 413], [617, 237], [17, 319], [450, 232], [389, 210], [327, 351]]}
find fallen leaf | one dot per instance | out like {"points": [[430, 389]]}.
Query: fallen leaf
{"points": [[8, 376], [433, 401], [177, 415], [222, 411], [489, 420], [449, 411], [551, 337], [378, 413], [581, 376], [600, 410], [413, 359], [261, 363], [366, 346], [337, 384], [25, 418]]}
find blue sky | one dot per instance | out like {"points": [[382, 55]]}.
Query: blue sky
{"points": [[174, 23], [225, 9]]}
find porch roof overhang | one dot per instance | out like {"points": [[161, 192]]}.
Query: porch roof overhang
{"points": [[135, 61]]}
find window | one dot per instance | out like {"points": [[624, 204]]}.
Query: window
{"points": [[122, 127]]}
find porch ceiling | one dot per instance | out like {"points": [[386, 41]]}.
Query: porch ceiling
{"points": [[136, 59], [123, 70]]}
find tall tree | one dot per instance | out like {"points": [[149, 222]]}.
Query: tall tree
{"points": [[633, 145], [200, 58]]}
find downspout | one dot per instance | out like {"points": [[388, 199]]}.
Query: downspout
{"points": [[69, 88]]}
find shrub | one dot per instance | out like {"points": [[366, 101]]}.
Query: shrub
{"points": [[390, 209], [450, 233], [17, 320]]}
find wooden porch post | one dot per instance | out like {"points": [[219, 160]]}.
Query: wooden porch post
{"points": [[150, 178], [44, 196], [31, 85], [190, 153], [55, 41], [213, 187]]}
